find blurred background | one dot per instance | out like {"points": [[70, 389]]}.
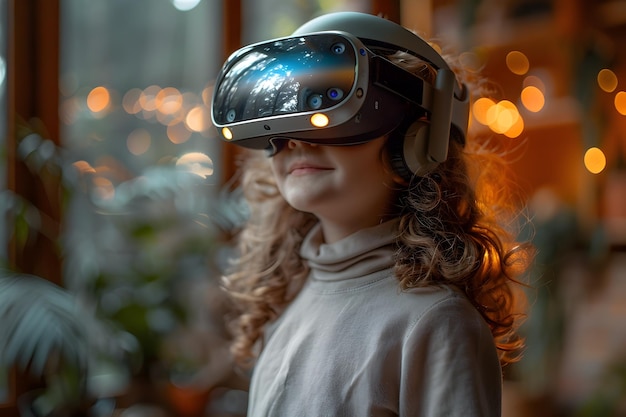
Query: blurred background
{"points": [[117, 201]]}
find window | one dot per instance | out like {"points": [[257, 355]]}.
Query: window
{"points": [[142, 158], [268, 19]]}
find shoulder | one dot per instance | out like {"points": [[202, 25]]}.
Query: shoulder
{"points": [[434, 312], [436, 300], [450, 363], [448, 313]]}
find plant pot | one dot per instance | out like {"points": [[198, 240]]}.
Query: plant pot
{"points": [[187, 401]]}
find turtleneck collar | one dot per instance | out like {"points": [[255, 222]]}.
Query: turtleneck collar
{"points": [[360, 254]]}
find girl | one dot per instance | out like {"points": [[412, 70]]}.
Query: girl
{"points": [[367, 291]]}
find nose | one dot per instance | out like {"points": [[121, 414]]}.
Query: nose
{"points": [[278, 144], [293, 144]]}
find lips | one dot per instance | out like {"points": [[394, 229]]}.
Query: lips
{"points": [[305, 167]]}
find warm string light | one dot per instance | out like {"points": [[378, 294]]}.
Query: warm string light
{"points": [[595, 159], [503, 117], [620, 102], [104, 182], [196, 163], [517, 62], [182, 114], [532, 98], [607, 80], [99, 99]]}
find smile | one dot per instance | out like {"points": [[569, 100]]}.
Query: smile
{"points": [[306, 169]]}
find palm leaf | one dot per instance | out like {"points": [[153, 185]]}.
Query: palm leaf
{"points": [[38, 321]]}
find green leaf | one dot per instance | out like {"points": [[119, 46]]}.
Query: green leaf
{"points": [[37, 321]]}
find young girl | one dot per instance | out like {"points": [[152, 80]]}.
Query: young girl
{"points": [[366, 289]]}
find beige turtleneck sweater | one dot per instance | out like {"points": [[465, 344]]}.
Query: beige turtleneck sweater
{"points": [[352, 344]]}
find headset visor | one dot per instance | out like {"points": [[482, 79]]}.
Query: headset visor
{"points": [[302, 74]]}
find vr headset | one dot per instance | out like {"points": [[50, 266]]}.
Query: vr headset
{"points": [[331, 83]]}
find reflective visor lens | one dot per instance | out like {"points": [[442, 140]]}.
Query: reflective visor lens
{"points": [[287, 76]]}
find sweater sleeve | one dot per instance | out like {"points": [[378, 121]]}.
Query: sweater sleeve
{"points": [[450, 365]]}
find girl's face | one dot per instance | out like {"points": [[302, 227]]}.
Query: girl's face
{"points": [[346, 187]]}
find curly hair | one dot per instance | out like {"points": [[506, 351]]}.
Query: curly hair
{"points": [[453, 231]]}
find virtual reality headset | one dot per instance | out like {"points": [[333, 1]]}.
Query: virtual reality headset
{"points": [[331, 83]]}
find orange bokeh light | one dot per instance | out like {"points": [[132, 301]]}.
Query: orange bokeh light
{"points": [[620, 102], [517, 62], [480, 110], [607, 80], [533, 99], [595, 160], [138, 141], [169, 100], [197, 119], [178, 133], [130, 101], [98, 99]]}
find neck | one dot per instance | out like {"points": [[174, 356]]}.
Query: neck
{"points": [[333, 231]]}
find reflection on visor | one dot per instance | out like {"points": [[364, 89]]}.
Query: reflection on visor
{"points": [[287, 76]]}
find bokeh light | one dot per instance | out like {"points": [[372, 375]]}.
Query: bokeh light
{"points": [[207, 95], [620, 102], [130, 101], [84, 167], [138, 141], [185, 5], [147, 98], [98, 99], [103, 188], [198, 119], [480, 110], [607, 80], [502, 117], [516, 128], [3, 70], [517, 62], [532, 98], [197, 163], [178, 133], [595, 160], [169, 100], [535, 81]]}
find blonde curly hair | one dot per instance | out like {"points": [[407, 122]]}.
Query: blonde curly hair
{"points": [[453, 231]]}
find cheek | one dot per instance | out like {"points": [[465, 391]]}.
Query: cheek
{"points": [[366, 170], [371, 181], [275, 165]]}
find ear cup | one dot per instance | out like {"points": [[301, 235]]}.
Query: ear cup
{"points": [[408, 151], [395, 145]]}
